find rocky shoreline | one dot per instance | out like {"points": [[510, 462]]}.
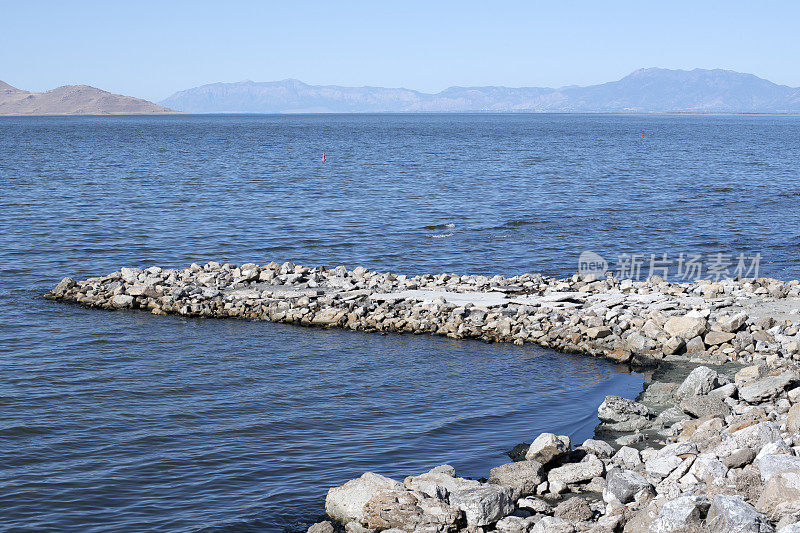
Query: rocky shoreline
{"points": [[716, 450]]}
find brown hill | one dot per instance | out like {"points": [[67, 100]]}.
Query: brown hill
{"points": [[73, 100]]}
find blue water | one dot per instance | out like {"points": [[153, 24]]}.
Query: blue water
{"points": [[128, 421]]}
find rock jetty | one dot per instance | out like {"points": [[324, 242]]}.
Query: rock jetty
{"points": [[716, 450]]}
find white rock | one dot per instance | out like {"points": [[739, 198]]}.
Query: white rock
{"points": [[483, 504], [623, 485], [547, 447], [551, 524], [627, 457], [731, 513], [662, 466], [769, 465], [685, 327], [577, 472], [346, 503], [701, 380], [683, 512]]}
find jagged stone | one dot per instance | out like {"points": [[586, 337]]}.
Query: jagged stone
{"points": [[521, 477], [623, 485], [547, 447], [732, 513], [346, 503], [701, 380]]}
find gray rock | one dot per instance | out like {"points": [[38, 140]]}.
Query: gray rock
{"points": [[781, 496], [769, 465], [766, 388], [321, 527], [739, 458], [627, 457], [673, 345], [662, 466], [793, 419], [122, 300], [725, 391], [599, 448], [685, 327], [707, 468], [695, 345], [408, 510], [346, 503], [714, 338], [574, 509], [701, 380], [515, 524], [521, 477], [483, 504], [64, 285], [618, 409], [547, 447], [534, 505], [552, 524], [750, 373], [732, 323], [623, 485], [733, 514], [669, 417], [791, 528], [577, 472], [703, 406], [680, 514]]}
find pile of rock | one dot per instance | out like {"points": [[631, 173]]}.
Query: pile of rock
{"points": [[719, 451], [718, 454], [626, 321]]}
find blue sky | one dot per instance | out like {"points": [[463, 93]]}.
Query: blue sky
{"points": [[152, 49]]}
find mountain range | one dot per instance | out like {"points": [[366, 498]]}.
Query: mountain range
{"points": [[651, 90], [73, 100]]}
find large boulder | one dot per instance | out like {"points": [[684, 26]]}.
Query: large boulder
{"points": [[409, 511], [346, 503], [731, 324], [437, 483], [618, 409], [574, 509], [793, 419], [766, 388], [482, 503], [685, 327], [681, 514], [732, 513], [701, 380], [522, 477], [547, 447], [623, 485], [587, 469], [769, 465], [553, 524], [705, 406], [781, 496]]}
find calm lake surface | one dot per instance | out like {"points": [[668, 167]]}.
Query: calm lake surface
{"points": [[126, 421]]}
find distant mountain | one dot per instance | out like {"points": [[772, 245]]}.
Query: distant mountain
{"points": [[73, 100], [651, 90]]}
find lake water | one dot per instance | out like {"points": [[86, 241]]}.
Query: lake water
{"points": [[127, 421]]}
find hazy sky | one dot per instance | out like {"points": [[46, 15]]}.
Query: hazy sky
{"points": [[152, 49]]}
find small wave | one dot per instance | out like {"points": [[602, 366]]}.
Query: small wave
{"points": [[439, 236], [449, 225]]}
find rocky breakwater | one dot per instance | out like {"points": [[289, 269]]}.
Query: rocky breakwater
{"points": [[717, 450], [626, 321]]}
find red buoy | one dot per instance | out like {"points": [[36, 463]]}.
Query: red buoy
{"points": [[323, 157]]}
